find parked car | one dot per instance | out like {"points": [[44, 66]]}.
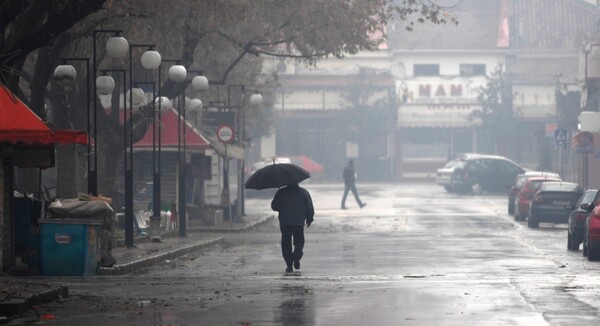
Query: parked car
{"points": [[316, 170], [578, 216], [553, 202], [523, 198], [260, 164], [518, 185], [591, 230], [478, 173]]}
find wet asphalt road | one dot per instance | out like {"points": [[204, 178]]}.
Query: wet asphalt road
{"points": [[415, 255]]}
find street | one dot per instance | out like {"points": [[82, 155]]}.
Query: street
{"points": [[414, 255]]}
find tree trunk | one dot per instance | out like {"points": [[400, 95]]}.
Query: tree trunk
{"points": [[65, 163]]}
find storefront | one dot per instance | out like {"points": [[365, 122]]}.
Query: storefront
{"points": [[435, 122], [25, 141]]}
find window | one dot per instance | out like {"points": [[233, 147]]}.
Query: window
{"points": [[469, 69], [426, 70]]}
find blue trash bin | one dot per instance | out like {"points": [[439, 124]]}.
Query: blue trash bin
{"points": [[69, 247]]}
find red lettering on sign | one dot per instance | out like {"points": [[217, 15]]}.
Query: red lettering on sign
{"points": [[456, 90], [440, 91], [62, 238]]}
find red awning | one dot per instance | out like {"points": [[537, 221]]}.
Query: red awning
{"points": [[194, 140], [19, 125]]}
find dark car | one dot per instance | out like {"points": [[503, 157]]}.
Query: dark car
{"points": [[523, 198], [478, 173], [518, 185], [578, 216], [553, 202]]}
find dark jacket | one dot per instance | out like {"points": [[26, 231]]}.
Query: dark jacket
{"points": [[294, 205], [349, 176]]}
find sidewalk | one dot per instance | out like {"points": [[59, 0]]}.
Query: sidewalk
{"points": [[17, 294], [145, 253]]}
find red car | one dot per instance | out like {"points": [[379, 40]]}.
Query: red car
{"points": [[523, 198], [316, 170], [591, 233], [518, 185]]}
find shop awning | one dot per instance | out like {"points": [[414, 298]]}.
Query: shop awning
{"points": [[169, 137], [19, 125]]}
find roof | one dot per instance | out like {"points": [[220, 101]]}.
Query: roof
{"points": [[504, 24], [477, 29], [169, 135], [19, 125], [554, 24]]}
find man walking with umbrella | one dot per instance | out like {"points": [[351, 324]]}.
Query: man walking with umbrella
{"points": [[293, 203], [295, 208]]}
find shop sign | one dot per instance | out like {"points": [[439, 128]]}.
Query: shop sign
{"points": [[62, 238]]}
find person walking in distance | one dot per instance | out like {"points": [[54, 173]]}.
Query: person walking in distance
{"points": [[349, 185], [295, 208]]}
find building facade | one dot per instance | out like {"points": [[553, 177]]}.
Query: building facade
{"points": [[437, 73]]}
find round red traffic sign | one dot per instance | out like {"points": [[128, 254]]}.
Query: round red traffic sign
{"points": [[583, 142], [225, 133]]}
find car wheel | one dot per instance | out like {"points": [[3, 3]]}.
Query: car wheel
{"points": [[593, 254], [532, 222], [572, 242], [476, 188]]}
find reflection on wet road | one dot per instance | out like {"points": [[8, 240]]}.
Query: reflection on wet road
{"points": [[415, 255]]}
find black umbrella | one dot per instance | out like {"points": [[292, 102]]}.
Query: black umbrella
{"points": [[276, 175]]}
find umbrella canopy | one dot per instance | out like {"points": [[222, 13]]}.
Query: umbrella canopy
{"points": [[276, 175]]}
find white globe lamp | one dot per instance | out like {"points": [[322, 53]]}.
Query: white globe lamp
{"points": [[255, 99], [117, 47], [136, 95], [65, 74], [195, 105], [200, 83], [177, 73], [105, 85], [151, 59], [163, 103]]}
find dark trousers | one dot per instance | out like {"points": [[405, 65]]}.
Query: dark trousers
{"points": [[352, 188], [289, 232]]}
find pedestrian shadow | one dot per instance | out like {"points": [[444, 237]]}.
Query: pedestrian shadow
{"points": [[299, 310]]}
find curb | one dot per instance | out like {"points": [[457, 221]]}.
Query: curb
{"points": [[153, 260], [263, 220], [172, 233], [20, 305]]}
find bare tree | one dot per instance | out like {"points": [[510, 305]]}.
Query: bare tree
{"points": [[226, 39]]}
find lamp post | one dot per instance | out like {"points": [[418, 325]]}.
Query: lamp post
{"points": [[199, 83], [176, 73], [155, 221], [66, 74], [150, 60], [255, 100], [116, 47], [105, 85], [163, 104]]}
